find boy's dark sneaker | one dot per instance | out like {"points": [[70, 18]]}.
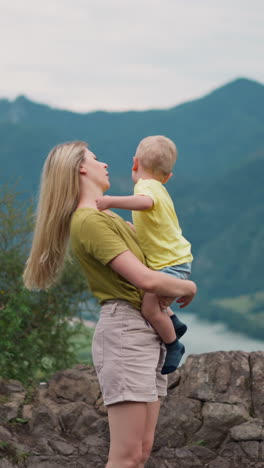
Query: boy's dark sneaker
{"points": [[175, 352], [179, 327]]}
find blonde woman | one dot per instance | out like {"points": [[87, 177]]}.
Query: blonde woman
{"points": [[127, 352]]}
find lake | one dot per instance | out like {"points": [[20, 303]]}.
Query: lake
{"points": [[204, 337]]}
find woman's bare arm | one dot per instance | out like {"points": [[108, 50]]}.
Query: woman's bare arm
{"points": [[128, 266]]}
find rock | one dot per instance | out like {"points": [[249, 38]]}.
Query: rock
{"points": [[217, 377], [83, 425], [251, 449], [174, 458], [62, 447], [5, 435], [9, 387], [219, 463], [12, 395], [252, 430], [101, 427], [187, 458], [257, 371], [179, 420], [205, 422], [45, 462], [99, 406], [42, 446], [27, 412], [232, 452], [69, 413], [8, 411], [43, 421], [5, 463], [261, 451], [174, 379], [218, 418], [77, 384]]}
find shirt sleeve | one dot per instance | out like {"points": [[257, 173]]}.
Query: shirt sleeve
{"points": [[144, 187], [101, 239]]}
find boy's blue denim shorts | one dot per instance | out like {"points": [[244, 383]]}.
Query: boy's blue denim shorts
{"points": [[182, 271]]}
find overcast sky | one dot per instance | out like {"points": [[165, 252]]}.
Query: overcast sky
{"points": [[88, 55]]}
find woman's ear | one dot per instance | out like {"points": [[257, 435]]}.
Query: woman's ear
{"points": [[82, 170], [135, 164]]}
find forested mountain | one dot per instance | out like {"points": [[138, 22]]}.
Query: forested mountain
{"points": [[218, 183], [213, 133]]}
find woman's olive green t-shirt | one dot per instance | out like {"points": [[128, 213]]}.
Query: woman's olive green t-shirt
{"points": [[96, 239]]}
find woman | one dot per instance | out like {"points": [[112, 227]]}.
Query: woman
{"points": [[126, 351]]}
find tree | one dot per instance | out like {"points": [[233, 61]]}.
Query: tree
{"points": [[36, 333]]}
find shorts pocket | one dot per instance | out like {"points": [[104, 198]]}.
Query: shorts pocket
{"points": [[98, 349], [135, 325]]}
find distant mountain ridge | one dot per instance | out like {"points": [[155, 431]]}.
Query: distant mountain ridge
{"points": [[218, 183], [211, 132]]}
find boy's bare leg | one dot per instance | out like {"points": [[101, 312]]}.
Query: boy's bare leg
{"points": [[160, 321], [169, 312], [164, 326], [179, 327]]}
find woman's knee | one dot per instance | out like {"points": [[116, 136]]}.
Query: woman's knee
{"points": [[134, 459], [146, 450], [128, 459]]}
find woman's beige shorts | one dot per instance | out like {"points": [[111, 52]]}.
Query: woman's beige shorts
{"points": [[128, 355]]}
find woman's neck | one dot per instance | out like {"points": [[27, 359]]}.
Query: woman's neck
{"points": [[88, 197]]}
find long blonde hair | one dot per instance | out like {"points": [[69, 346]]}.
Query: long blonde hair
{"points": [[58, 199]]}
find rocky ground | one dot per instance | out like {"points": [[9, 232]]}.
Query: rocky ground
{"points": [[213, 417]]}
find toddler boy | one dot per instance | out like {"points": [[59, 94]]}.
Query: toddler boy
{"points": [[158, 233]]}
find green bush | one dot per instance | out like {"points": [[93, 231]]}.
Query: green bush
{"points": [[37, 336]]}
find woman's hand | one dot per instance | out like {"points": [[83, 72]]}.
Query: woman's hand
{"points": [[131, 226], [185, 300], [165, 301]]}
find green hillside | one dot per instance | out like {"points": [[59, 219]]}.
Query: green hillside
{"points": [[212, 133], [227, 219], [242, 313], [217, 185]]}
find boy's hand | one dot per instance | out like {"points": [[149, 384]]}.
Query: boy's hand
{"points": [[103, 203]]}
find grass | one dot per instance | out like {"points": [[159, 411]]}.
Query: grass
{"points": [[10, 451], [242, 313], [243, 304]]}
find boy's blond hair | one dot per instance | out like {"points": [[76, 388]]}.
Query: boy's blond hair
{"points": [[157, 154]]}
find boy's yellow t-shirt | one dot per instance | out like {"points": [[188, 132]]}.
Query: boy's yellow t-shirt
{"points": [[158, 230], [96, 239]]}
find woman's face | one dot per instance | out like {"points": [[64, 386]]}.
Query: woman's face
{"points": [[95, 170]]}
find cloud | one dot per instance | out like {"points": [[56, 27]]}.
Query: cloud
{"points": [[112, 54]]}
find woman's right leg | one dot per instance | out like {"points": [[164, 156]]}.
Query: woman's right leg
{"points": [[127, 422]]}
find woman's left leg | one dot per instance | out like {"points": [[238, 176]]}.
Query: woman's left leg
{"points": [[149, 432]]}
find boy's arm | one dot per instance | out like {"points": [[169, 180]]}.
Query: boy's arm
{"points": [[133, 202]]}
